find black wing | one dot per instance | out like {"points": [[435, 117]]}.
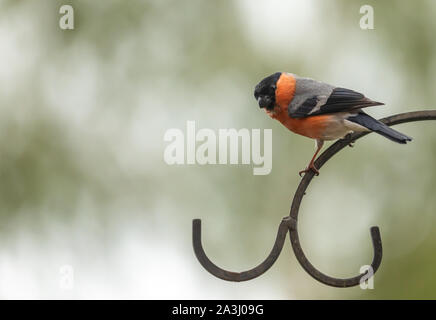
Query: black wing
{"points": [[339, 100]]}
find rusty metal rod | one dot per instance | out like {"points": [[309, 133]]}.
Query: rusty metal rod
{"points": [[375, 232], [238, 276], [290, 222]]}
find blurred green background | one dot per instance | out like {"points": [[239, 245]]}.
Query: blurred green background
{"points": [[82, 177]]}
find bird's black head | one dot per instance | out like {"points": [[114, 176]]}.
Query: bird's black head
{"points": [[265, 91]]}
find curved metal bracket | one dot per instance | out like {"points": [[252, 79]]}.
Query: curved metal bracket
{"points": [[238, 276], [290, 222]]}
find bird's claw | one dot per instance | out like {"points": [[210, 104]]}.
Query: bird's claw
{"points": [[311, 167]]}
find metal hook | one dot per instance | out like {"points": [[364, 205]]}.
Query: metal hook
{"points": [[293, 231], [375, 232], [290, 222], [238, 276]]}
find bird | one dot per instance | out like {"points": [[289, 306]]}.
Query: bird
{"points": [[318, 110]]}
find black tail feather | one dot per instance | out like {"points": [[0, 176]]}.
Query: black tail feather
{"points": [[374, 125]]}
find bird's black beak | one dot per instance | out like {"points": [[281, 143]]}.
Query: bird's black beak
{"points": [[265, 102]]}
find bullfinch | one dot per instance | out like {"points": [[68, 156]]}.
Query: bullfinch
{"points": [[319, 110]]}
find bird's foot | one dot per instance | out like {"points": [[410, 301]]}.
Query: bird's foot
{"points": [[311, 167], [348, 136]]}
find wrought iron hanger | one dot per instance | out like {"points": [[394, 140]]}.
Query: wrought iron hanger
{"points": [[289, 223]]}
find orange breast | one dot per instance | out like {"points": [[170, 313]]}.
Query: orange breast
{"points": [[285, 90], [312, 127]]}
